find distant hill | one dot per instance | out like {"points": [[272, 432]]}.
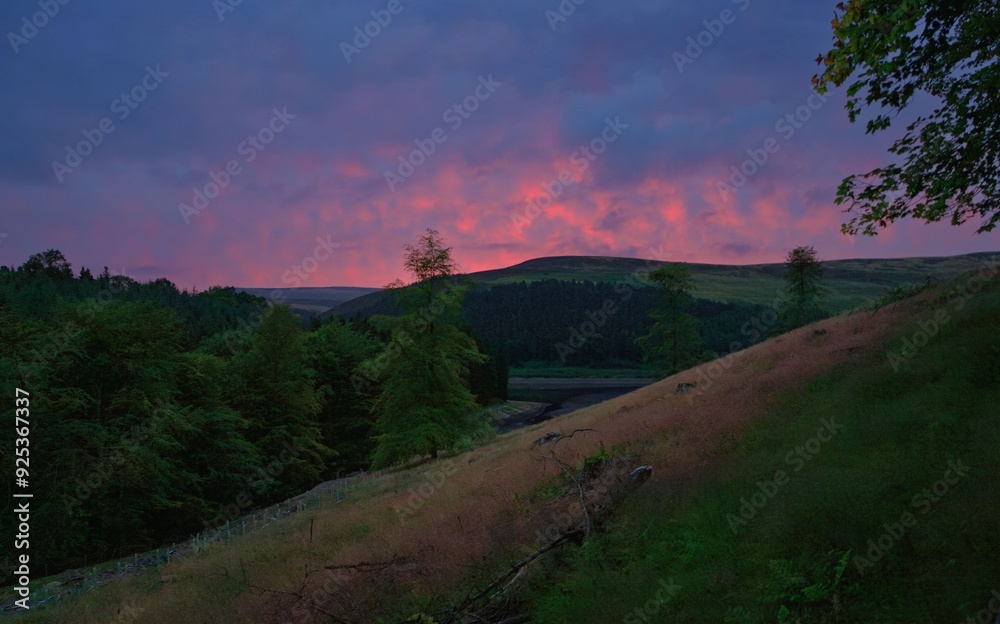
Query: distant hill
{"points": [[851, 282], [313, 301]]}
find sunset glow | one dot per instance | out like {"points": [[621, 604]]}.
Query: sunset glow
{"points": [[291, 127]]}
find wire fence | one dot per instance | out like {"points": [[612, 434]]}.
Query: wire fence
{"points": [[72, 583]]}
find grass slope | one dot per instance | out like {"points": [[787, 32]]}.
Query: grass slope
{"points": [[879, 523]]}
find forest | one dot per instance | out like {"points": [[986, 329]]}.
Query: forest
{"points": [[546, 321], [153, 407]]}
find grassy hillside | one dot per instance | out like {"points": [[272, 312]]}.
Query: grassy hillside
{"points": [[786, 463], [866, 495], [851, 282]]}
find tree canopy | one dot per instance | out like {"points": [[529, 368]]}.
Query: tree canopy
{"points": [[162, 408], [51, 263], [424, 404], [429, 259], [804, 289], [893, 53], [673, 342]]}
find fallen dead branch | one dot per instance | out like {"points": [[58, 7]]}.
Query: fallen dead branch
{"points": [[366, 565], [599, 486]]}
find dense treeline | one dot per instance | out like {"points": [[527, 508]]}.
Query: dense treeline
{"points": [[546, 320], [587, 323], [152, 409]]}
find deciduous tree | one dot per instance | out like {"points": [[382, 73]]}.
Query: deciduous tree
{"points": [[51, 263], [892, 52], [334, 351], [277, 395], [673, 342], [803, 287], [424, 404]]}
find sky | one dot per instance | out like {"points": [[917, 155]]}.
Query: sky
{"points": [[304, 143]]}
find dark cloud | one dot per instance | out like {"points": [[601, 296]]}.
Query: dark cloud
{"points": [[737, 248]]}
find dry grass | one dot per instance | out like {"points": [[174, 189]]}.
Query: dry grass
{"points": [[477, 519]]}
